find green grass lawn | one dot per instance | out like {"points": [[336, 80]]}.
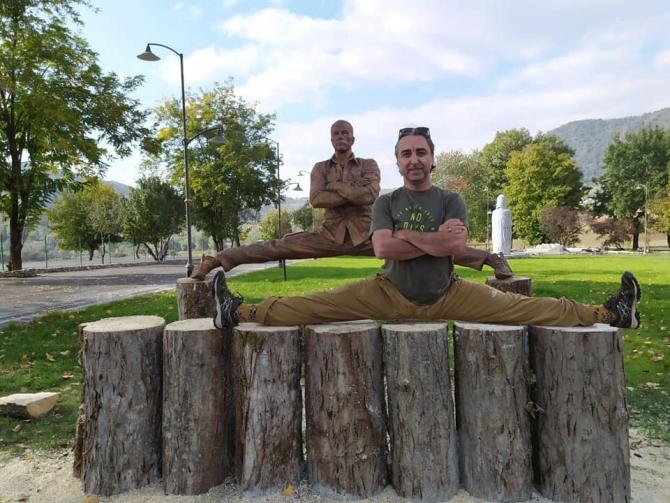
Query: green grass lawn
{"points": [[42, 355]]}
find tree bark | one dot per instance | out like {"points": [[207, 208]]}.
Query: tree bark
{"points": [[582, 422], [268, 405], [346, 416], [121, 438], [424, 461], [195, 441], [491, 375], [195, 299], [516, 284]]}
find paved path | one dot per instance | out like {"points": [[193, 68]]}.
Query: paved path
{"points": [[22, 299]]}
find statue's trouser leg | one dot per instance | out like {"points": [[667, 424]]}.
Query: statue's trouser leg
{"points": [[292, 246], [472, 257], [378, 299]]}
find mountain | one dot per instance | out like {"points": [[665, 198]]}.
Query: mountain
{"points": [[589, 138], [121, 188]]}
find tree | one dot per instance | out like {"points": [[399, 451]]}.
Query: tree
{"points": [[87, 215], [495, 155], [660, 210], [638, 160], [303, 217], [59, 112], [69, 219], [561, 225], [154, 213], [229, 182], [616, 231], [538, 177], [268, 225], [463, 173], [105, 215]]}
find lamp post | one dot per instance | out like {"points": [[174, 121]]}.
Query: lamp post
{"points": [[645, 250], [148, 55]]}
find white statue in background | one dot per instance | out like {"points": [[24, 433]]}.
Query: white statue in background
{"points": [[501, 227]]}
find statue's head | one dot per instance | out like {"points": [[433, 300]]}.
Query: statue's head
{"points": [[501, 202]]}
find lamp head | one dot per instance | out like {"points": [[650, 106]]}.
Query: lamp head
{"points": [[219, 139], [147, 55]]}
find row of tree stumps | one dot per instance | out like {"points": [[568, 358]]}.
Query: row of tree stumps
{"points": [[538, 406]]}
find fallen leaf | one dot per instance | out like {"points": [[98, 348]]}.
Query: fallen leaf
{"points": [[65, 353], [657, 358], [68, 375], [17, 428], [90, 499], [50, 358], [25, 358], [288, 490]]}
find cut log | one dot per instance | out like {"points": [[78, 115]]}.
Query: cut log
{"points": [[582, 449], [491, 376], [121, 438], [268, 405], [195, 299], [515, 284], [424, 461], [28, 405], [195, 441], [346, 414]]}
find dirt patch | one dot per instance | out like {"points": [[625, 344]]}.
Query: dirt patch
{"points": [[38, 477]]}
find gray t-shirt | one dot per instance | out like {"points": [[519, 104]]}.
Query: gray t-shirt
{"points": [[424, 279]]}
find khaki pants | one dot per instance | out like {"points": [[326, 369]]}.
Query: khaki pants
{"points": [[317, 245], [378, 299]]}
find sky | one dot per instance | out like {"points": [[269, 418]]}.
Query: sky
{"points": [[464, 69]]}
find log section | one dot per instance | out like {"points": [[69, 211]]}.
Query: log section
{"points": [[491, 375], [194, 298], [268, 405], [121, 434], [195, 441], [424, 462], [582, 421], [346, 415]]}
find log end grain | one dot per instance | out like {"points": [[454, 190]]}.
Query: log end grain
{"points": [[516, 284], [124, 324]]}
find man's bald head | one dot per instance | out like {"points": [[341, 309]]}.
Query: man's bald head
{"points": [[342, 137]]}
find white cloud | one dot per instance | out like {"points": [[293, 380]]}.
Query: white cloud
{"points": [[662, 59]]}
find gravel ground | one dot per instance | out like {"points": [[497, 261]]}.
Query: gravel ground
{"points": [[39, 477]]}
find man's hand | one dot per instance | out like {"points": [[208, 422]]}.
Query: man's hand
{"points": [[454, 226]]}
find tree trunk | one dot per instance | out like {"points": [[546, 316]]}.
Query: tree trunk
{"points": [[424, 461], [516, 284], [195, 299], [195, 441], [346, 416], [582, 421], [15, 235], [121, 438], [268, 405], [491, 375], [667, 239], [636, 240]]}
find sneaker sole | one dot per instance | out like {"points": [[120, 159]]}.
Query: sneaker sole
{"points": [[631, 282], [217, 289]]}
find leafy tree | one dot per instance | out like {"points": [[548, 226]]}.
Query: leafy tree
{"points": [[69, 220], [561, 225], [660, 210], [303, 217], [59, 112], [86, 216], [231, 181], [495, 155], [463, 173], [268, 225], [105, 215], [538, 177], [616, 231], [640, 159], [155, 212]]}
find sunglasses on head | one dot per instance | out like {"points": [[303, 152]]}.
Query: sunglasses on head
{"points": [[406, 131]]}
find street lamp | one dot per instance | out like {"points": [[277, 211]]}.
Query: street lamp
{"points": [[148, 55], [646, 236]]}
